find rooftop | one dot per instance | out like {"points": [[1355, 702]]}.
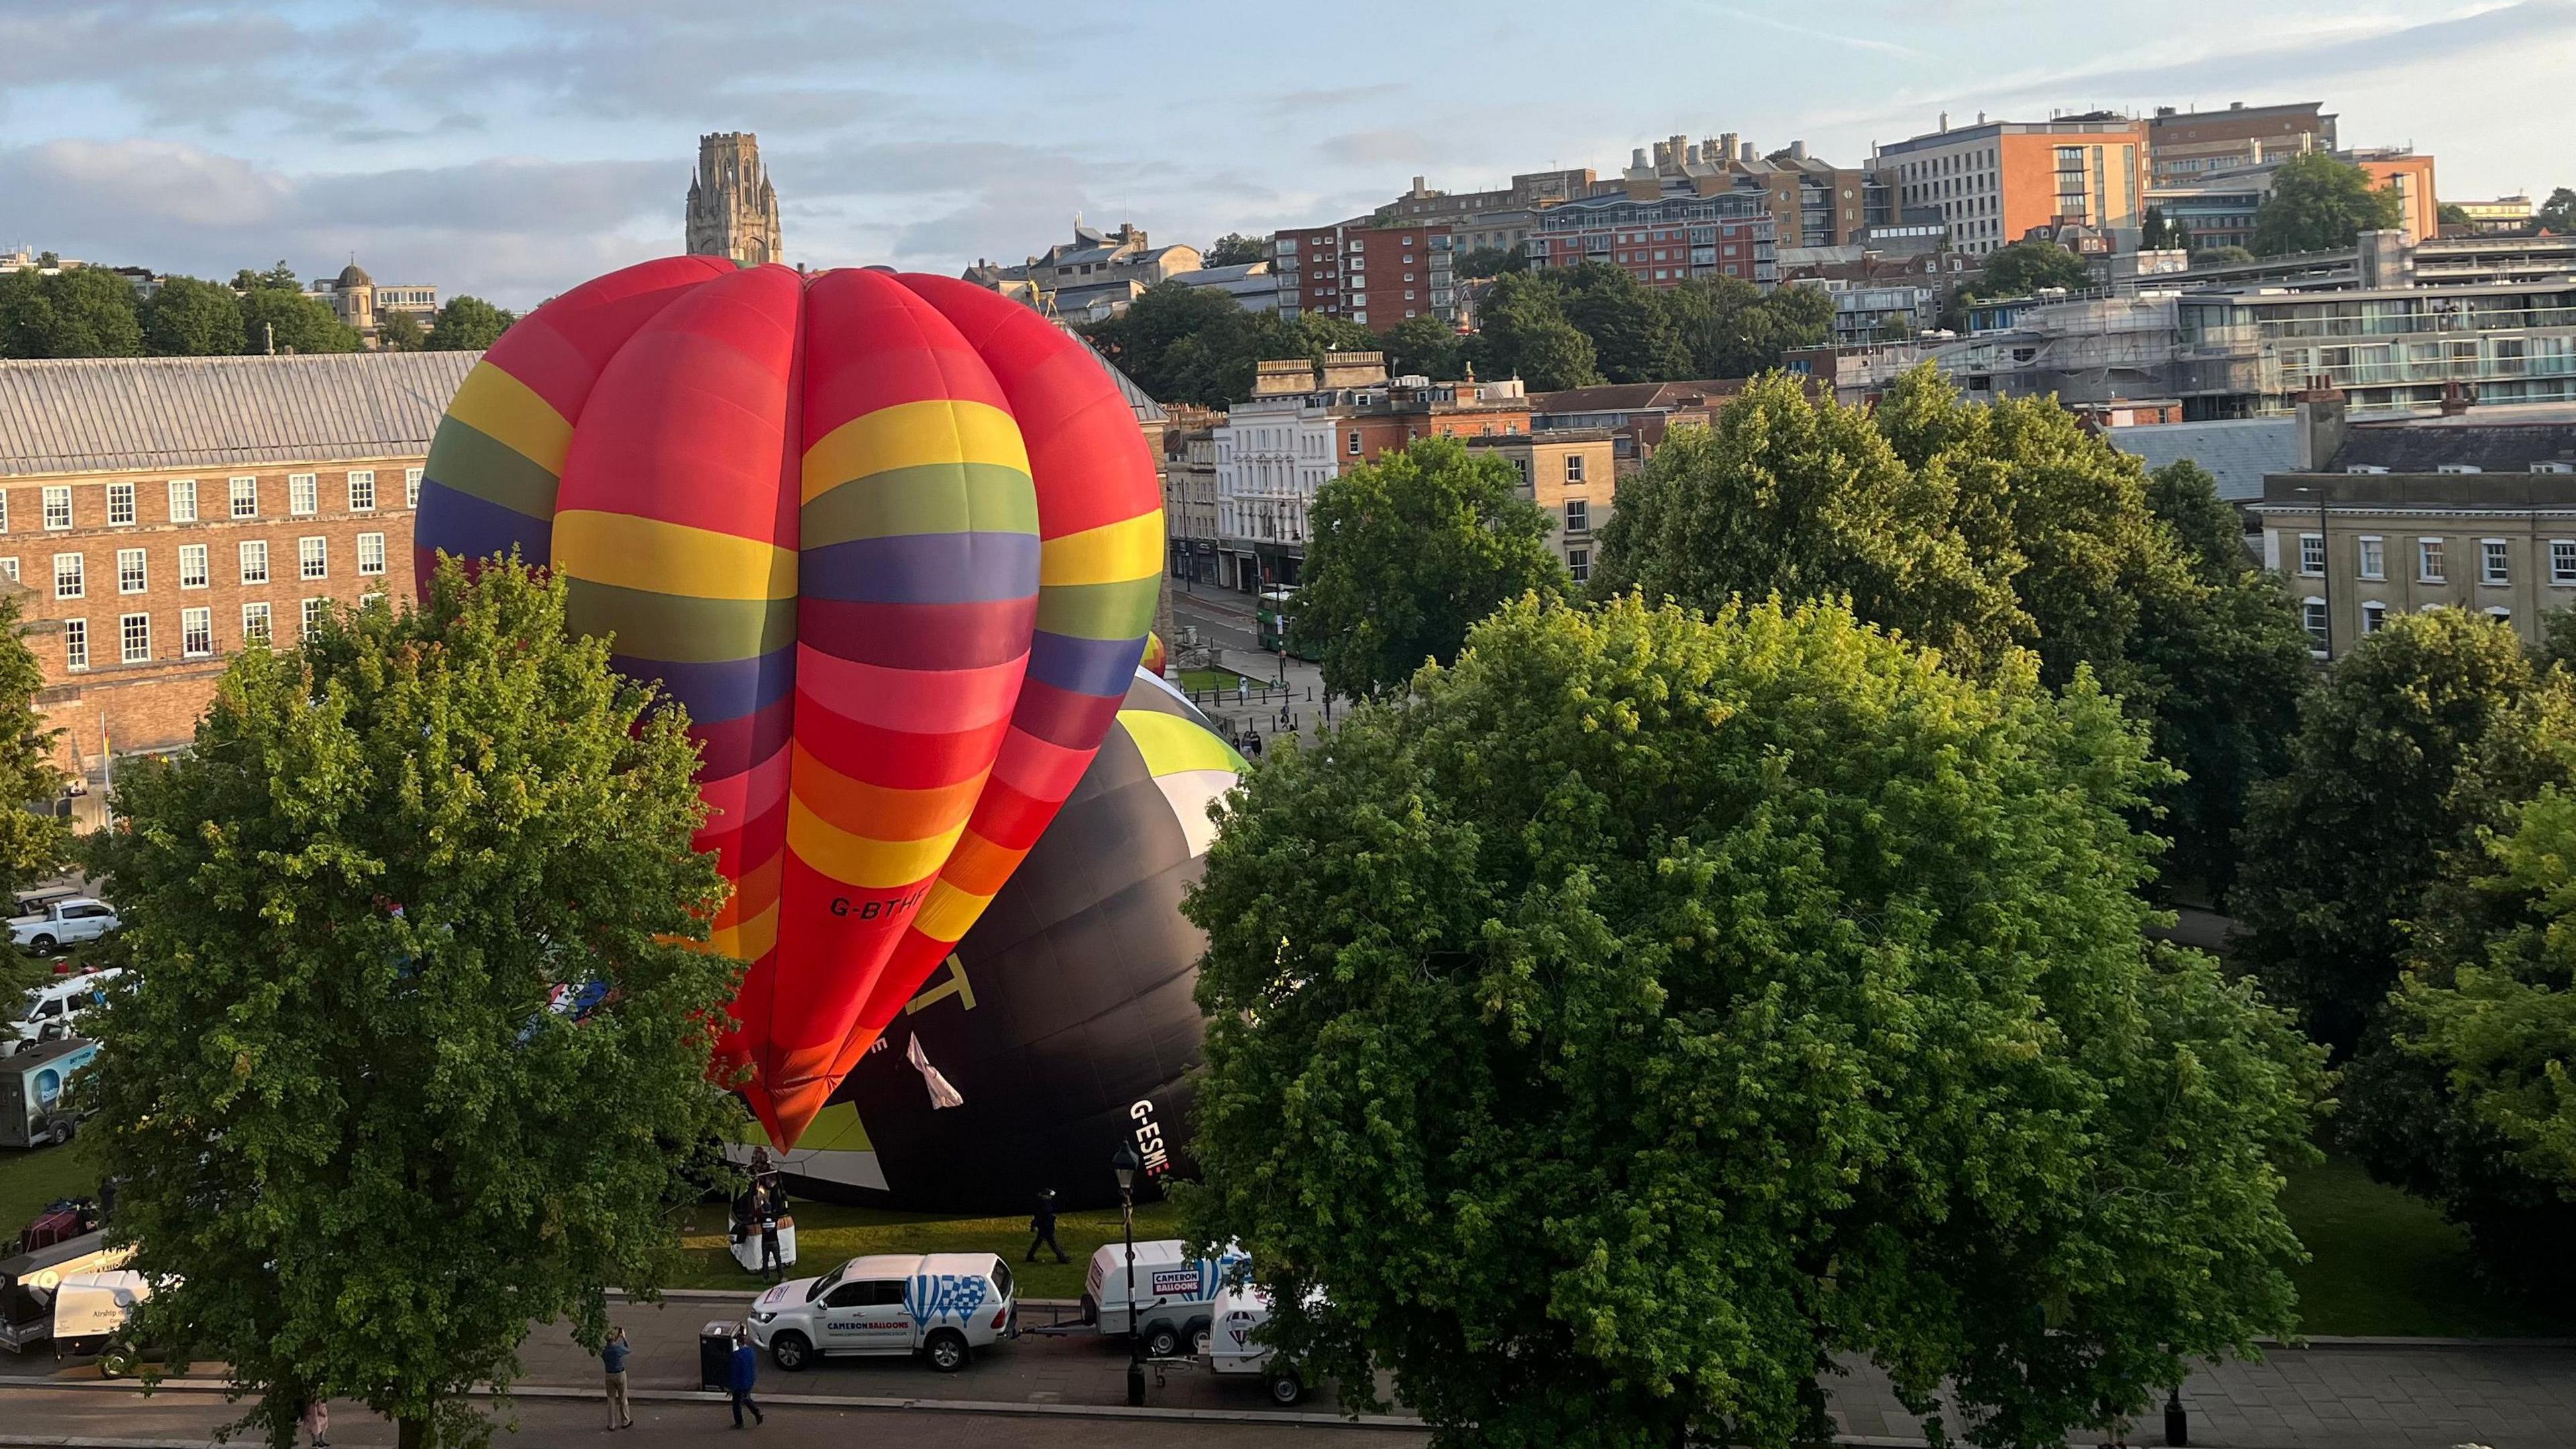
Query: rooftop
{"points": [[2478, 439], [1636, 397]]}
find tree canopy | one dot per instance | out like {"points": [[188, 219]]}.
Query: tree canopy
{"points": [[2558, 213], [1423, 346], [2319, 203], [1482, 262], [1233, 250], [191, 318], [1188, 344], [1405, 553], [292, 321], [1704, 327], [2026, 266], [1656, 1008], [467, 324], [362, 1141], [80, 312], [32, 846]]}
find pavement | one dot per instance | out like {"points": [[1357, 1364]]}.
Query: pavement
{"points": [[1225, 624]]}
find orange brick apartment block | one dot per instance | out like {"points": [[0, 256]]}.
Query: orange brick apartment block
{"points": [[157, 514]]}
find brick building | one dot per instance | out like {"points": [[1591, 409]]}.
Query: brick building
{"points": [[1377, 276], [1995, 181], [2184, 146], [157, 513], [1663, 233]]}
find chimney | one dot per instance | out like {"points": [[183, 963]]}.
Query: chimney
{"points": [[1727, 147], [2320, 425], [1945, 122], [1745, 153], [1797, 150], [1417, 187]]}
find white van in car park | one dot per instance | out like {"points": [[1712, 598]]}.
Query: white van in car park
{"points": [[942, 1306], [1230, 1349], [1175, 1294]]}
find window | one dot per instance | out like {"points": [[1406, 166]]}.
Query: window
{"points": [[183, 500], [2428, 560], [312, 615], [196, 633], [371, 553], [2312, 553], [120, 504], [1578, 563], [303, 493], [192, 566], [2374, 559], [254, 561], [76, 643], [4, 510], [255, 624], [362, 490], [2562, 560], [1578, 516], [1355, 443], [58, 506], [134, 638], [2312, 613], [9, 569], [131, 576], [2491, 561], [2374, 617], [1574, 467], [245, 496], [312, 558], [411, 488], [70, 576]]}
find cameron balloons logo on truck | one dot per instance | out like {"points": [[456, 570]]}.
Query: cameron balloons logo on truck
{"points": [[893, 540]]}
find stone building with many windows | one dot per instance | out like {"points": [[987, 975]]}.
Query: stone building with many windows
{"points": [[1572, 475], [159, 514]]}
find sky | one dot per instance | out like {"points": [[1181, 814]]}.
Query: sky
{"points": [[512, 148]]}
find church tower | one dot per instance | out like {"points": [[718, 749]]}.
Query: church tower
{"points": [[733, 210]]}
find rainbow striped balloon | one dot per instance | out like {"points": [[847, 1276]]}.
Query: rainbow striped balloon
{"points": [[893, 540]]}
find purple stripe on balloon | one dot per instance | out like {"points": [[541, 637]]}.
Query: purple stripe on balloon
{"points": [[922, 568], [730, 746], [720, 689], [457, 522], [1085, 666]]}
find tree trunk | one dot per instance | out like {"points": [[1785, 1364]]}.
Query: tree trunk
{"points": [[419, 1433]]}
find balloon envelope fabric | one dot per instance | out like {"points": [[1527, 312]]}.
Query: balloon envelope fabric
{"points": [[893, 540]]}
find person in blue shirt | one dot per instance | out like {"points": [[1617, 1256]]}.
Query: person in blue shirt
{"points": [[746, 1372], [612, 1358]]}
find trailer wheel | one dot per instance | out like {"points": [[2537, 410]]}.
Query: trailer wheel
{"points": [[1162, 1341], [1286, 1388], [116, 1361]]}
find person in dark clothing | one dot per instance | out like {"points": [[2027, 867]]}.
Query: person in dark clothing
{"points": [[1042, 1229], [746, 1372], [771, 1261]]}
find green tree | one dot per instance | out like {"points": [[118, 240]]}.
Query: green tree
{"points": [[279, 278], [2558, 213], [2319, 204], [1234, 249], [2451, 214], [1656, 1009], [2345, 845], [1322, 334], [398, 331], [1422, 345], [2026, 266], [360, 1148], [2221, 665], [1525, 334], [1730, 328], [2220, 256], [83, 312], [1631, 331], [1485, 262], [1405, 553], [469, 324], [282, 320], [190, 318], [32, 846], [2155, 233]]}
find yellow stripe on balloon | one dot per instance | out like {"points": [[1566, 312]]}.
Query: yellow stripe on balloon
{"points": [[750, 940], [1113, 553], [501, 407], [659, 557], [858, 860], [913, 435], [947, 912]]}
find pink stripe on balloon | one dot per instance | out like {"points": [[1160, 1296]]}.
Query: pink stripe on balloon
{"points": [[914, 701]]}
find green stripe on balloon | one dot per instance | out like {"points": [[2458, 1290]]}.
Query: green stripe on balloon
{"points": [[927, 498], [469, 460], [1122, 610], [682, 630]]}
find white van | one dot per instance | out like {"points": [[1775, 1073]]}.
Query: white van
{"points": [[53, 1007], [942, 1306], [1230, 1348], [1175, 1294], [90, 1314]]}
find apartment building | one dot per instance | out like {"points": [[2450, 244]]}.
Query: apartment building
{"points": [[1663, 234], [1189, 490], [159, 514], [1636, 415], [1995, 181], [1497, 218], [2184, 146], [2475, 509], [1572, 475], [1377, 276]]}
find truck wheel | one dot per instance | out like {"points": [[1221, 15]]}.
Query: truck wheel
{"points": [[946, 1350], [42, 945], [1162, 1341], [116, 1362], [790, 1351], [1286, 1388]]}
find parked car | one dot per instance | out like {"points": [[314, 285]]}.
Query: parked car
{"points": [[942, 1306], [54, 1008], [62, 923], [1175, 1294]]}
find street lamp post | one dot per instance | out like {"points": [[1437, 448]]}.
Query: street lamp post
{"points": [[1125, 1164]]}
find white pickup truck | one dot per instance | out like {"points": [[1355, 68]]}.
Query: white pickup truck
{"points": [[62, 923]]}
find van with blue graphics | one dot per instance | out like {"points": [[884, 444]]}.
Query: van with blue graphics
{"points": [[942, 1306], [1176, 1294]]}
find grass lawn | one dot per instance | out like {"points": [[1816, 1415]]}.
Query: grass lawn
{"points": [[2385, 1263], [1194, 680], [33, 1177], [826, 1234]]}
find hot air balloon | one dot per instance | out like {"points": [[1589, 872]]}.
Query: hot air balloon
{"points": [[893, 540], [1064, 1022]]}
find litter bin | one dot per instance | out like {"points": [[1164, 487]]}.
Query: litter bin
{"points": [[715, 1357]]}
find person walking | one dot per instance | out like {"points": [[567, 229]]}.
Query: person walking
{"points": [[1042, 1228], [612, 1360], [316, 1419], [746, 1372]]}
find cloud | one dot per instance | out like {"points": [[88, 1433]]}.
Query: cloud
{"points": [[1385, 145], [1830, 37], [1305, 103]]}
